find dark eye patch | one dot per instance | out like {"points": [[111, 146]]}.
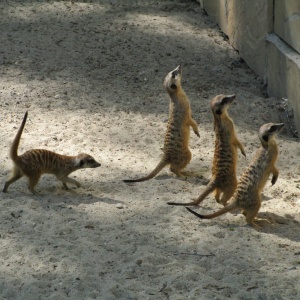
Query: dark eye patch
{"points": [[265, 138], [219, 111], [224, 101], [173, 86]]}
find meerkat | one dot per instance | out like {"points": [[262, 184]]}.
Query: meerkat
{"points": [[247, 195], [176, 145], [33, 163], [224, 180]]}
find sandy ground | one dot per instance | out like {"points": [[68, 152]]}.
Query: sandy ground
{"points": [[90, 74]]}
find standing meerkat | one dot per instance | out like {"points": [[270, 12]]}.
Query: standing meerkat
{"points": [[176, 145], [247, 195], [223, 180], [33, 163]]}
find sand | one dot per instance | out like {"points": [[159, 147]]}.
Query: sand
{"points": [[90, 75]]}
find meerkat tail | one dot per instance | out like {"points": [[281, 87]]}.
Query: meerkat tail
{"points": [[159, 167], [208, 189], [220, 212], [15, 144]]}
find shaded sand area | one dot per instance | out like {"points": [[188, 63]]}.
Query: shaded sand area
{"points": [[90, 74]]}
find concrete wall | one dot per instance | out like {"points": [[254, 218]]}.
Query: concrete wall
{"points": [[267, 35], [287, 22]]}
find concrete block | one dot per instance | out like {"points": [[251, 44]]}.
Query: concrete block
{"points": [[248, 26], [217, 11], [284, 73], [287, 22], [201, 3]]}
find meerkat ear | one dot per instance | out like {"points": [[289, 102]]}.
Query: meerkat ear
{"points": [[273, 128], [228, 99]]}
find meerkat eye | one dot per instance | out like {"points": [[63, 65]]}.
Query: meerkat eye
{"points": [[219, 111], [223, 101], [265, 138], [81, 163], [173, 86], [174, 74]]}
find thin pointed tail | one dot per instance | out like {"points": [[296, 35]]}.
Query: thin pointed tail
{"points": [[220, 212], [15, 144], [159, 167], [208, 189]]}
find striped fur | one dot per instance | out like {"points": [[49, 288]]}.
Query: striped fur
{"points": [[34, 163], [176, 144], [223, 181], [248, 193]]}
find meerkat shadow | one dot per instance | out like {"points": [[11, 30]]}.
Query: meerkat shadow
{"points": [[285, 226], [75, 198], [164, 177], [264, 197], [189, 176], [276, 219], [92, 199]]}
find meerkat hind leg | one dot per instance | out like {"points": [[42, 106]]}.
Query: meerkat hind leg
{"points": [[33, 180], [66, 180], [15, 176], [217, 195], [226, 197], [187, 173], [250, 215], [177, 172]]}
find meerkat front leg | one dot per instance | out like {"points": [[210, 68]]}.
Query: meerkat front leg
{"points": [[194, 126], [275, 175], [240, 146], [33, 180], [66, 180]]}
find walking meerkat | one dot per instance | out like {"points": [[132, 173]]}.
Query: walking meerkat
{"points": [[176, 144], [247, 195], [33, 163], [223, 180]]}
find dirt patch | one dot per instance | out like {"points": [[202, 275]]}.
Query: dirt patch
{"points": [[90, 74]]}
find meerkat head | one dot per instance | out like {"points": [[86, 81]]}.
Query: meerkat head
{"points": [[173, 80], [268, 131], [220, 104], [86, 161]]}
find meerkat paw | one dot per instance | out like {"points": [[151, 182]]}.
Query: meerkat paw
{"points": [[187, 173], [263, 220], [274, 179], [35, 193], [197, 133], [254, 225]]}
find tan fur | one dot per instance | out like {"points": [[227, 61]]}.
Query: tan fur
{"points": [[248, 193], [34, 163], [223, 181], [176, 145]]}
